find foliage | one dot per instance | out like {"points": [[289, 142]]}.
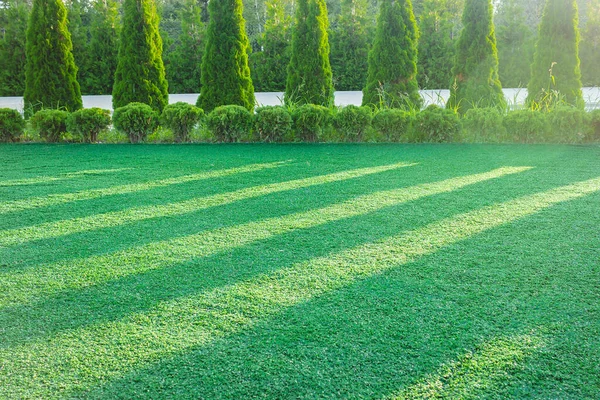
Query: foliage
{"points": [[589, 48], [394, 124], [230, 123], [225, 73], [50, 124], [556, 61], [87, 123], [14, 17], [483, 125], [140, 74], [181, 118], [11, 125], [311, 121], [568, 124], [50, 73], [436, 124], [475, 71], [79, 28], [136, 120], [352, 122], [526, 126], [595, 125], [273, 124], [309, 76], [392, 73]]}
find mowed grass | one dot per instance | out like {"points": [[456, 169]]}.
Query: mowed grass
{"points": [[299, 271]]}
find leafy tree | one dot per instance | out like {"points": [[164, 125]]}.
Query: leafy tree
{"points": [[140, 74], [556, 61], [78, 12], [103, 48], [225, 72], [392, 73], [14, 17], [269, 65], [350, 46], [50, 73], [590, 46], [475, 71], [309, 77]]}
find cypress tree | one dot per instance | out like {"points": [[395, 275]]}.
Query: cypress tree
{"points": [[392, 74], [475, 71], [590, 46], [225, 74], [140, 74], [556, 60], [78, 23], [12, 47], [103, 48], [309, 77], [50, 73]]}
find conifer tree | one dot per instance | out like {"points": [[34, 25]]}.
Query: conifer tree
{"points": [[103, 48], [79, 27], [556, 60], [475, 71], [140, 74], [590, 46], [309, 77], [50, 73], [392, 74], [225, 74], [14, 17]]}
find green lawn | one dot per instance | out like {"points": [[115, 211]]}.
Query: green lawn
{"points": [[299, 271]]}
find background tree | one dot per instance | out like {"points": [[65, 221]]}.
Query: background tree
{"points": [[225, 74], [78, 17], [556, 61], [13, 19], [392, 73], [103, 48], [590, 45], [50, 73], [475, 71], [309, 77], [140, 74]]}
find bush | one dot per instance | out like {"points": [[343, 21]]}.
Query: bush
{"points": [[595, 126], [311, 121], [483, 125], [394, 124], [435, 124], [50, 124], [273, 124], [136, 120], [230, 123], [526, 126], [11, 125], [353, 122], [568, 125], [88, 123], [181, 118]]}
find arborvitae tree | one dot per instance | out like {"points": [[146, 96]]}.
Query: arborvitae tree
{"points": [[515, 44], [476, 82], [140, 75], [392, 74], [269, 65], [103, 48], [225, 72], [556, 61], [350, 46], [183, 72], [79, 27], [50, 73], [590, 46], [12, 48], [309, 78]]}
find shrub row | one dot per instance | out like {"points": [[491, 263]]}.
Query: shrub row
{"points": [[138, 122]]}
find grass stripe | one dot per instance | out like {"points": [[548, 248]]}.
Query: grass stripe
{"points": [[69, 175], [473, 374], [110, 219], [82, 358], [22, 287], [54, 199]]}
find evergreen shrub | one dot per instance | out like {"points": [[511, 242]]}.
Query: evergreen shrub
{"points": [[87, 123], [311, 121], [436, 124], [352, 122], [50, 124], [12, 125], [230, 123], [181, 118], [273, 124], [136, 120], [568, 124], [526, 126], [393, 124], [481, 125], [595, 126]]}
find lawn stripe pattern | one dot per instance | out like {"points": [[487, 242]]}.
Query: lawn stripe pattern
{"points": [[98, 221], [54, 199], [80, 273], [82, 358], [69, 175]]}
